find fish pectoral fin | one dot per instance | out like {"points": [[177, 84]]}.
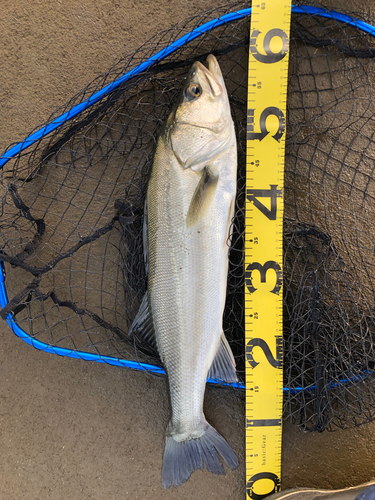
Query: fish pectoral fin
{"points": [[202, 197], [143, 325], [223, 366]]}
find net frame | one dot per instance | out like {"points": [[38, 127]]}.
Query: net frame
{"points": [[95, 98]]}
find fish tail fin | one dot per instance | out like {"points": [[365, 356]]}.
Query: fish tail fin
{"points": [[182, 458]]}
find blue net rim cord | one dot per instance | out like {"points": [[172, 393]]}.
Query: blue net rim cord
{"points": [[232, 16], [69, 353], [57, 122]]}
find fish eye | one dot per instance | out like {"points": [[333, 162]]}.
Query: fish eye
{"points": [[193, 91]]}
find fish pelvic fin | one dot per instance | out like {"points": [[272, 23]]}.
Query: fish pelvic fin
{"points": [[182, 458], [202, 198], [143, 324], [223, 366]]}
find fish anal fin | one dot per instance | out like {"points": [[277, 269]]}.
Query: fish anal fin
{"points": [[143, 324], [223, 366], [202, 198]]}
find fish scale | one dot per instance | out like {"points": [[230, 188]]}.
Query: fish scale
{"points": [[179, 268]]}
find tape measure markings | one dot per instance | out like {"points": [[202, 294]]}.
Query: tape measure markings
{"points": [[267, 87]]}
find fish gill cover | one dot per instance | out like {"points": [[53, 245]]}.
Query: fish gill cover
{"points": [[72, 209]]}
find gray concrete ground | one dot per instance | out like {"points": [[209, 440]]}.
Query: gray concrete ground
{"points": [[75, 430]]}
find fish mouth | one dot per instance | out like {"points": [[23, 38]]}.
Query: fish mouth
{"points": [[212, 74]]}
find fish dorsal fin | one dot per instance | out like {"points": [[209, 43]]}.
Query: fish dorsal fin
{"points": [[202, 197], [223, 366], [143, 324]]}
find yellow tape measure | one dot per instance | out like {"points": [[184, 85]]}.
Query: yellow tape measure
{"points": [[267, 90]]}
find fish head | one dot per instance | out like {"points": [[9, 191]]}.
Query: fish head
{"points": [[200, 126]]}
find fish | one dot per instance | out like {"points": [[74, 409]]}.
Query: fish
{"points": [[188, 216]]}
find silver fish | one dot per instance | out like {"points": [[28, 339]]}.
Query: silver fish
{"points": [[189, 209]]}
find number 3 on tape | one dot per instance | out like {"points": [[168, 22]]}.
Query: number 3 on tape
{"points": [[271, 264]]}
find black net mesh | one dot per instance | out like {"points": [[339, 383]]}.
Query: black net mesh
{"points": [[72, 206]]}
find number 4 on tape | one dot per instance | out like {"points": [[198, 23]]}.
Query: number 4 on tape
{"points": [[272, 193]]}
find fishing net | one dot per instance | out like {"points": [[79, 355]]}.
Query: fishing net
{"points": [[72, 206]]}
